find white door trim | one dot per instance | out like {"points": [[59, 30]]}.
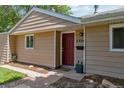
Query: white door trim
{"points": [[74, 46], [84, 51], [54, 49]]}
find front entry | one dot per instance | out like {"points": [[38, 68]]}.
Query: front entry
{"points": [[68, 49]]}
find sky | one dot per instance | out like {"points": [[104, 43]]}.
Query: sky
{"points": [[81, 10]]}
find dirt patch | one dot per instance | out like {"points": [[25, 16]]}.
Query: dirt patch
{"points": [[43, 70], [63, 83], [92, 81], [70, 83], [99, 78]]}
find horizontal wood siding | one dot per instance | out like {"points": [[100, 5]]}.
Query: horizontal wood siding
{"points": [[39, 21], [43, 52], [99, 59], [4, 48], [12, 41]]}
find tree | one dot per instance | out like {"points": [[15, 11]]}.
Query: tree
{"points": [[10, 15], [64, 9], [95, 8]]}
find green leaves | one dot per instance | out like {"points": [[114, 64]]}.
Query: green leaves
{"points": [[10, 15], [8, 18]]}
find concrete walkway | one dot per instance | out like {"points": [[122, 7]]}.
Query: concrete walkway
{"points": [[29, 73], [34, 79], [73, 75], [39, 80], [70, 74]]}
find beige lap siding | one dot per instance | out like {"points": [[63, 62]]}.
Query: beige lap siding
{"points": [[12, 43], [4, 48], [43, 52], [99, 60], [40, 21]]}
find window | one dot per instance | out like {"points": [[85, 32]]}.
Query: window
{"points": [[117, 37], [29, 41]]}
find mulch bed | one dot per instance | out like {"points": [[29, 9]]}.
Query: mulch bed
{"points": [[84, 83]]}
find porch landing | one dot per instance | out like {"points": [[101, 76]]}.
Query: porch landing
{"points": [[71, 74]]}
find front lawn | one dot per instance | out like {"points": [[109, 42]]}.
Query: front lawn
{"points": [[7, 75]]}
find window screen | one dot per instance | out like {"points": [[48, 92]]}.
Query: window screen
{"points": [[118, 38]]}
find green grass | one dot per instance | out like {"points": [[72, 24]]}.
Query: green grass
{"points": [[7, 75]]}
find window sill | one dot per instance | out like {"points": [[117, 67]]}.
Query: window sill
{"points": [[117, 50], [29, 48]]}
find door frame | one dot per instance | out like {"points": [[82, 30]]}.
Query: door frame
{"points": [[67, 32]]}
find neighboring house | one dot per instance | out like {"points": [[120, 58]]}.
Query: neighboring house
{"points": [[51, 39]]}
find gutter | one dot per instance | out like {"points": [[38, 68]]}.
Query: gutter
{"points": [[4, 33], [102, 19]]}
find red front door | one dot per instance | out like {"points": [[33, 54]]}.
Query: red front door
{"points": [[68, 49]]}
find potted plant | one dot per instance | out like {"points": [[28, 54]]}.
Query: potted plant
{"points": [[79, 67]]}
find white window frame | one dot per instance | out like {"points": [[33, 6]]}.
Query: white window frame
{"points": [[26, 41], [111, 37]]}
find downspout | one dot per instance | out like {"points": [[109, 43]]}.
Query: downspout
{"points": [[84, 52]]}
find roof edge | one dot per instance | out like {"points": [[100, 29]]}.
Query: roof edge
{"points": [[59, 15], [4, 33]]}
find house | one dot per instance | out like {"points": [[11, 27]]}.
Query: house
{"points": [[51, 39]]}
